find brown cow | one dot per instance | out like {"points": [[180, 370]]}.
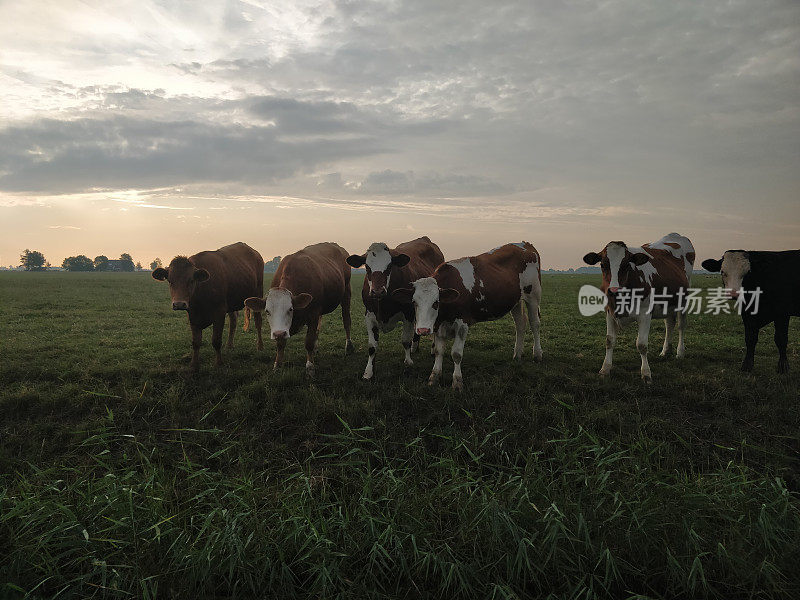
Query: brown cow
{"points": [[308, 284], [643, 283], [388, 270], [478, 288], [211, 284]]}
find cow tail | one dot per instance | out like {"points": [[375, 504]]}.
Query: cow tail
{"points": [[246, 319]]}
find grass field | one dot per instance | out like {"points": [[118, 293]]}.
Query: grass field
{"points": [[123, 476]]}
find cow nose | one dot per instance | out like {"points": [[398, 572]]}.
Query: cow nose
{"points": [[378, 292], [733, 293], [423, 331], [180, 306], [280, 335], [613, 290]]}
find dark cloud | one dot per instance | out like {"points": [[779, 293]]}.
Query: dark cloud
{"points": [[123, 152]]}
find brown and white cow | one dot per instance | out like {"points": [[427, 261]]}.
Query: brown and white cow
{"points": [[389, 269], [644, 283], [469, 290], [210, 284], [310, 283]]}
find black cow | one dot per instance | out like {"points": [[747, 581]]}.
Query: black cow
{"points": [[777, 275]]}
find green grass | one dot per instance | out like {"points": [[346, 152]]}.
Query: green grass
{"points": [[124, 476]]}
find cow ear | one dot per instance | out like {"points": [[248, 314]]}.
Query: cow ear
{"points": [[201, 275], [301, 300], [256, 304], [160, 273], [712, 265], [592, 258], [355, 260], [448, 295], [400, 260], [639, 259], [403, 295]]}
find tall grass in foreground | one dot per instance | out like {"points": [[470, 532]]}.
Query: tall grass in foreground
{"points": [[363, 516]]}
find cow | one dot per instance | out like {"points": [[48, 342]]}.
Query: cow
{"points": [[776, 275], [642, 283], [389, 269], [310, 283], [210, 284], [460, 293]]}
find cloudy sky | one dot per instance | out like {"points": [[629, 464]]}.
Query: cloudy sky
{"points": [[159, 127]]}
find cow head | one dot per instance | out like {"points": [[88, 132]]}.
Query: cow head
{"points": [[618, 264], [733, 266], [379, 261], [279, 305], [183, 278], [426, 296]]}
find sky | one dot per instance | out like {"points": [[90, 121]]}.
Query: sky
{"points": [[161, 128]]}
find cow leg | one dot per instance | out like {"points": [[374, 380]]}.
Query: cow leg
{"points": [[532, 301], [433, 345], [257, 317], [233, 316], [372, 334], [534, 320], [519, 327], [781, 340], [407, 339], [669, 325], [197, 339], [348, 345], [641, 345], [312, 336], [216, 338], [681, 352], [611, 339], [457, 353], [750, 341], [415, 342], [439, 343], [280, 354]]}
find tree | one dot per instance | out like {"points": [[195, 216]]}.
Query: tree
{"points": [[128, 262], [100, 263], [138, 266], [272, 265], [155, 264], [78, 263], [32, 260]]}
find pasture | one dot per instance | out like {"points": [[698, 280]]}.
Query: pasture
{"points": [[124, 476]]}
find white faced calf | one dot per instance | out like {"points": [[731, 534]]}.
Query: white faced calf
{"points": [[470, 290]]}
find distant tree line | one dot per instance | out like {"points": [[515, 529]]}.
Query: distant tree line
{"points": [[33, 260]]}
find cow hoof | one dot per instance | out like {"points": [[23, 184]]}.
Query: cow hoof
{"points": [[517, 357], [349, 348], [368, 376], [433, 380], [604, 374], [783, 367], [260, 346], [746, 367], [538, 357], [647, 379], [458, 385], [310, 371]]}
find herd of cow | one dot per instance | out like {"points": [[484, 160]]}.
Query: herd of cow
{"points": [[412, 284]]}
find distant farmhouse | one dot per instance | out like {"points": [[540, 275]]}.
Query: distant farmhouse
{"points": [[117, 265]]}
